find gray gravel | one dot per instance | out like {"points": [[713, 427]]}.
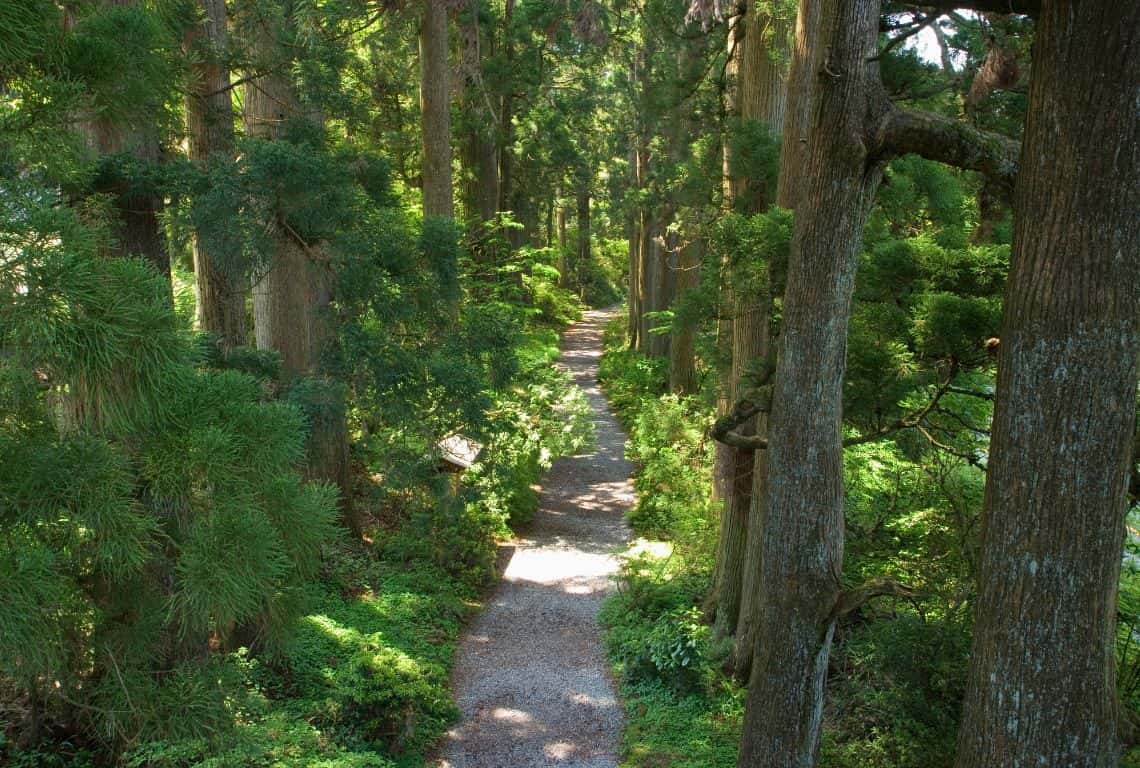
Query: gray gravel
{"points": [[531, 678]]}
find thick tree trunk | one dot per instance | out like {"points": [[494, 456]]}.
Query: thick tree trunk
{"points": [[138, 231], [801, 550], [435, 110], [289, 293], [1041, 687], [479, 158], [219, 288], [291, 296], [855, 131], [723, 468]]}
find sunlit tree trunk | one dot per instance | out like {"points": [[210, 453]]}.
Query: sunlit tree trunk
{"points": [[219, 288], [855, 131], [1041, 687]]}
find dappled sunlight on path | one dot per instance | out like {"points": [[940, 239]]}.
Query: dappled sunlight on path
{"points": [[531, 679]]}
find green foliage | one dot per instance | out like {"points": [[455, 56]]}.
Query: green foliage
{"points": [[149, 506], [680, 709]]}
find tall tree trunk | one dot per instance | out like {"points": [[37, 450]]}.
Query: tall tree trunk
{"points": [[801, 552], [855, 131], [583, 255], [762, 98], [800, 87], [435, 110], [219, 288], [292, 295], [682, 352], [722, 454], [138, 231], [481, 169], [507, 201], [1041, 687]]}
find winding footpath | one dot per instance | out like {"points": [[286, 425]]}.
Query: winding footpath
{"points": [[531, 678]]}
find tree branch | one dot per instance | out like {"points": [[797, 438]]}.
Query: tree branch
{"points": [[905, 131], [851, 600], [922, 23], [759, 401], [1026, 7]]}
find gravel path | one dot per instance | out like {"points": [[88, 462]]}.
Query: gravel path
{"points": [[531, 678]]}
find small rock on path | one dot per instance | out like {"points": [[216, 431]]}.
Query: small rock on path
{"points": [[531, 679]]}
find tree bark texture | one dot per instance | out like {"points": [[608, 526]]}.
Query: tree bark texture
{"points": [[435, 110], [1041, 688], [762, 98], [292, 293], [802, 72], [801, 552], [479, 156], [682, 352], [139, 229], [219, 288]]}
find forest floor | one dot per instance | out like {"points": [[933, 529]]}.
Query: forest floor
{"points": [[531, 679]]}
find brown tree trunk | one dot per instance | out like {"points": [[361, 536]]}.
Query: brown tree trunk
{"points": [[800, 87], [855, 131], [723, 468], [682, 352], [583, 255], [289, 292], [761, 98], [219, 288], [801, 549], [138, 231], [481, 169], [435, 110], [1041, 687], [292, 295]]}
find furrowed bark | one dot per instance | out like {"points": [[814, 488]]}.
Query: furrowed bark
{"points": [[801, 550], [1041, 686], [765, 97]]}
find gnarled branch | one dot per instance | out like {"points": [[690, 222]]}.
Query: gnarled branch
{"points": [[904, 131], [851, 600]]}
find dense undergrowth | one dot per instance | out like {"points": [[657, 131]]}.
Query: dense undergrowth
{"points": [[898, 668], [176, 592]]}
